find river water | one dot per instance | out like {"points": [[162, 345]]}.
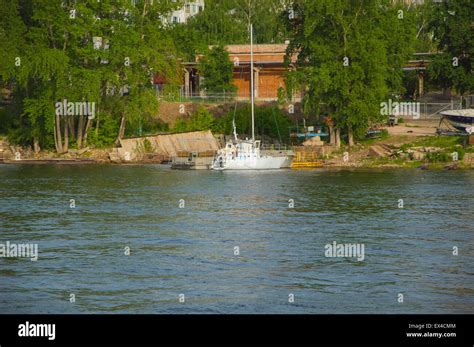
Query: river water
{"points": [[231, 243]]}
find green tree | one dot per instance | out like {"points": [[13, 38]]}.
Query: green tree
{"points": [[350, 54], [266, 17], [216, 25], [90, 51], [225, 22], [451, 23], [217, 70], [201, 119], [270, 121]]}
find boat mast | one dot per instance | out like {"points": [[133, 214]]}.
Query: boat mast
{"points": [[252, 82]]}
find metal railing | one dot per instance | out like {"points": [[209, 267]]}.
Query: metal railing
{"points": [[431, 110], [181, 95]]}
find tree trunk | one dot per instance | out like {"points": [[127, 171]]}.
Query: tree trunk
{"points": [[332, 138], [72, 131], [350, 137], [80, 128], [36, 145], [58, 138], [66, 135], [338, 137], [97, 125], [121, 130], [55, 136], [86, 131]]}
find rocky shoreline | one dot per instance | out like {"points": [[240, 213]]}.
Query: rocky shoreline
{"points": [[389, 154]]}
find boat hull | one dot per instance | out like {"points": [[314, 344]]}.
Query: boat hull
{"points": [[462, 120], [461, 123], [260, 163]]}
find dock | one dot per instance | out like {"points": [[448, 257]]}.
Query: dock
{"points": [[305, 158], [193, 160]]}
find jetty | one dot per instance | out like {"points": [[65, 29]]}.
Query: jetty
{"points": [[193, 160]]}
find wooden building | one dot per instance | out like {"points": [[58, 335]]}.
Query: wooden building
{"points": [[269, 71]]}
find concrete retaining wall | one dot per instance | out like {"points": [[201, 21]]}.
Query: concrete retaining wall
{"points": [[168, 145]]}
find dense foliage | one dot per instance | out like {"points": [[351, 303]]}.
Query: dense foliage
{"points": [[217, 70], [225, 22], [270, 122], [451, 23], [99, 52], [350, 57]]}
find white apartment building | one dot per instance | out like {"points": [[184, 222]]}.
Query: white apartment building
{"points": [[190, 8]]}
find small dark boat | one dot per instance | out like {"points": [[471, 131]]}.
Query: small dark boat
{"points": [[462, 120]]}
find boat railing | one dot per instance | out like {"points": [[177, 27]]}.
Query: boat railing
{"points": [[274, 147]]}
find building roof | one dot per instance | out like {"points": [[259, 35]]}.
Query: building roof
{"points": [[263, 53], [262, 48]]}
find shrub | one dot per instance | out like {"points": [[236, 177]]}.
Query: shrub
{"points": [[269, 121], [201, 119], [147, 146]]}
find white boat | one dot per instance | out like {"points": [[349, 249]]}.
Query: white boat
{"points": [[245, 154], [462, 120]]}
